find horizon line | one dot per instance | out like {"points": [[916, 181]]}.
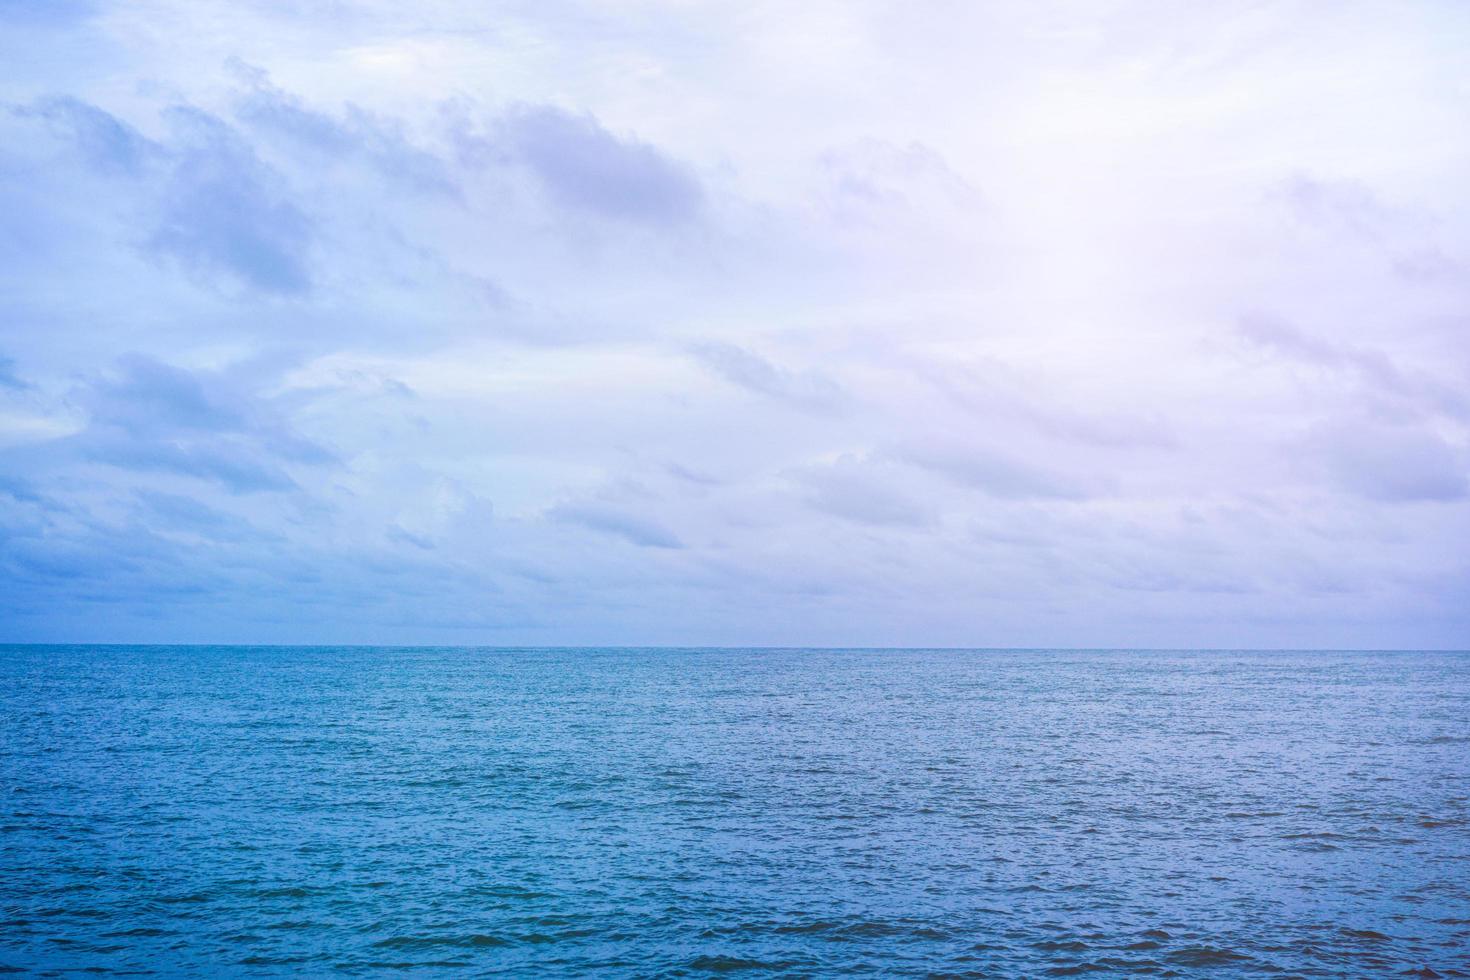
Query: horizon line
{"points": [[744, 647]]}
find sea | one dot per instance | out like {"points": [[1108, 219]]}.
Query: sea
{"points": [[346, 811]]}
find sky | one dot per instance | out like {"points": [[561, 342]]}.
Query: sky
{"points": [[1086, 324]]}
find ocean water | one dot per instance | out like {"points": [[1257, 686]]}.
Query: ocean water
{"points": [[608, 813]]}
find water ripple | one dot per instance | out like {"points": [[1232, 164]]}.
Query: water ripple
{"points": [[620, 813]]}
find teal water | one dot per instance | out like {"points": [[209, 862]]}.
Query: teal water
{"points": [[312, 811]]}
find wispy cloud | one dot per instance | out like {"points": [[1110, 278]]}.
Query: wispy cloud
{"points": [[609, 520], [154, 416]]}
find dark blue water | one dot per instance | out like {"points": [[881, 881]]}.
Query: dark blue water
{"points": [[680, 813]]}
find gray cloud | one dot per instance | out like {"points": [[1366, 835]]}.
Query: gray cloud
{"points": [[151, 416], [1391, 464], [992, 389], [1349, 205], [1374, 368], [996, 473], [8, 377], [585, 166], [177, 512], [273, 112], [749, 370], [610, 520], [227, 212], [1354, 209], [105, 142], [860, 491]]}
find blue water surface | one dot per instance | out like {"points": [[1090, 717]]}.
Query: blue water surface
{"points": [[607, 813]]}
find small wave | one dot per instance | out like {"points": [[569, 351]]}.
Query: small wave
{"points": [[805, 928], [1132, 967], [1315, 842], [1202, 956], [193, 898], [477, 939], [732, 964], [1074, 969], [295, 891], [496, 891], [879, 930]]}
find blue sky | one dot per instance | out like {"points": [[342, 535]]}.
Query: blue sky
{"points": [[647, 321]]}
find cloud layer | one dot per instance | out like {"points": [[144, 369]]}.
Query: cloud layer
{"points": [[990, 324]]}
